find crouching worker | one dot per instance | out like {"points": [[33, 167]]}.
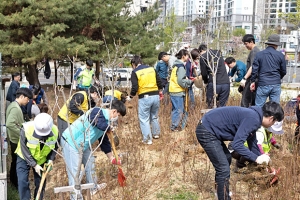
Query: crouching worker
{"points": [[237, 124], [117, 95], [265, 140], [81, 135], [37, 147]]}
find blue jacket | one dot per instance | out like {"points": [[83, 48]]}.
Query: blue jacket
{"points": [[39, 96], [12, 90], [162, 69], [237, 124], [269, 67], [240, 69], [86, 129]]}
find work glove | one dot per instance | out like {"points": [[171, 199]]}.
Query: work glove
{"points": [[49, 165], [38, 169], [128, 98], [192, 79], [114, 161], [161, 95], [243, 82], [264, 158], [277, 146], [252, 87]]}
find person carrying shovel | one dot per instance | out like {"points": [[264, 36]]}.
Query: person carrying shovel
{"points": [[85, 131], [235, 124], [36, 149]]}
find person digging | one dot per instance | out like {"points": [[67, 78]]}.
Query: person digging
{"points": [[37, 147]]}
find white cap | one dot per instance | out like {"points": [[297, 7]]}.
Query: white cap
{"points": [[276, 128], [43, 124]]}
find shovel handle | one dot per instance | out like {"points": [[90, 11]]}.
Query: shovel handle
{"points": [[42, 182]]}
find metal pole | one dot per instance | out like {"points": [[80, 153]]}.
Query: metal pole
{"points": [[253, 16], [296, 57]]}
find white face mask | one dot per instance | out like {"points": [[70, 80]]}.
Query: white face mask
{"points": [[114, 119]]}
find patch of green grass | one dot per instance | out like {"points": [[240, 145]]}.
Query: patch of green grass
{"points": [[12, 193], [180, 195]]}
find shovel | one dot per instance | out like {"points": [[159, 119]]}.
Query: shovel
{"points": [[185, 111], [121, 176], [275, 174], [46, 170]]}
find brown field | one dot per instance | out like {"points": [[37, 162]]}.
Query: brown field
{"points": [[175, 166]]}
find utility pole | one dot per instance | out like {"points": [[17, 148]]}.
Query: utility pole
{"points": [[253, 16]]}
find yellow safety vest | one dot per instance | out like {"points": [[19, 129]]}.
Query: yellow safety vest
{"points": [[66, 114], [117, 94], [33, 144], [266, 145], [86, 77], [146, 79], [174, 86]]}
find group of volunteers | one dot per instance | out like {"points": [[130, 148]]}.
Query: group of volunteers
{"points": [[80, 122]]}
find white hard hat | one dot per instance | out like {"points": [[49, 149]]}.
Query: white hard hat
{"points": [[43, 123], [276, 128]]}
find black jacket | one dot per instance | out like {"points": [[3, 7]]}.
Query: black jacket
{"points": [[206, 60]]}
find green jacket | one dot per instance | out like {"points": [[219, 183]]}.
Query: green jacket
{"points": [[14, 121]]}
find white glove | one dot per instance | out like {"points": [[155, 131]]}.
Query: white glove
{"points": [[128, 98], [232, 79], [38, 169], [243, 82], [263, 158]]}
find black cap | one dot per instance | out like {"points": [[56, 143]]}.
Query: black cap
{"points": [[162, 54]]}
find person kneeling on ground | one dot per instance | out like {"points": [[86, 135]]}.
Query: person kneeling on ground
{"points": [[37, 147], [235, 124], [117, 95], [86, 130]]}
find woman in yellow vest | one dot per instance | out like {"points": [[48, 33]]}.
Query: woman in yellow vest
{"points": [[36, 148], [177, 88], [76, 106]]}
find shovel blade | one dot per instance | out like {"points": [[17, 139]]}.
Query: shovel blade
{"points": [[121, 178]]}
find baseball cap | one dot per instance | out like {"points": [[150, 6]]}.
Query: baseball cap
{"points": [[43, 123], [162, 54], [276, 128]]}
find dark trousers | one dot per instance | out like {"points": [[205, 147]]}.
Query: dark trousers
{"points": [[248, 97], [12, 173], [23, 171], [62, 125], [222, 90], [219, 156]]}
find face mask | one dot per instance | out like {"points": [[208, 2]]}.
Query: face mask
{"points": [[114, 119]]}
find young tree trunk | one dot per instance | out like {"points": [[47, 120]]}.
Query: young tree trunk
{"points": [[72, 71], [33, 78]]}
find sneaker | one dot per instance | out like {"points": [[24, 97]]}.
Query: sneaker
{"points": [[99, 187], [156, 136], [147, 142]]}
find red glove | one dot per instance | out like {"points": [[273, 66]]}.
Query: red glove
{"points": [[192, 78], [114, 161], [161, 96]]}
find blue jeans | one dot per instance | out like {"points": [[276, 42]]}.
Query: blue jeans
{"points": [[108, 99], [219, 156], [72, 159], [271, 91], [148, 116], [177, 110], [23, 183]]}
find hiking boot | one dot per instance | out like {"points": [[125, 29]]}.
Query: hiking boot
{"points": [[99, 187], [147, 142], [156, 136]]}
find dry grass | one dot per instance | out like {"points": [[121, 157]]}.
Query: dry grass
{"points": [[176, 167]]}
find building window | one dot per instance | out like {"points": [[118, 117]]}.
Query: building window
{"points": [[293, 10], [247, 27], [255, 27]]}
